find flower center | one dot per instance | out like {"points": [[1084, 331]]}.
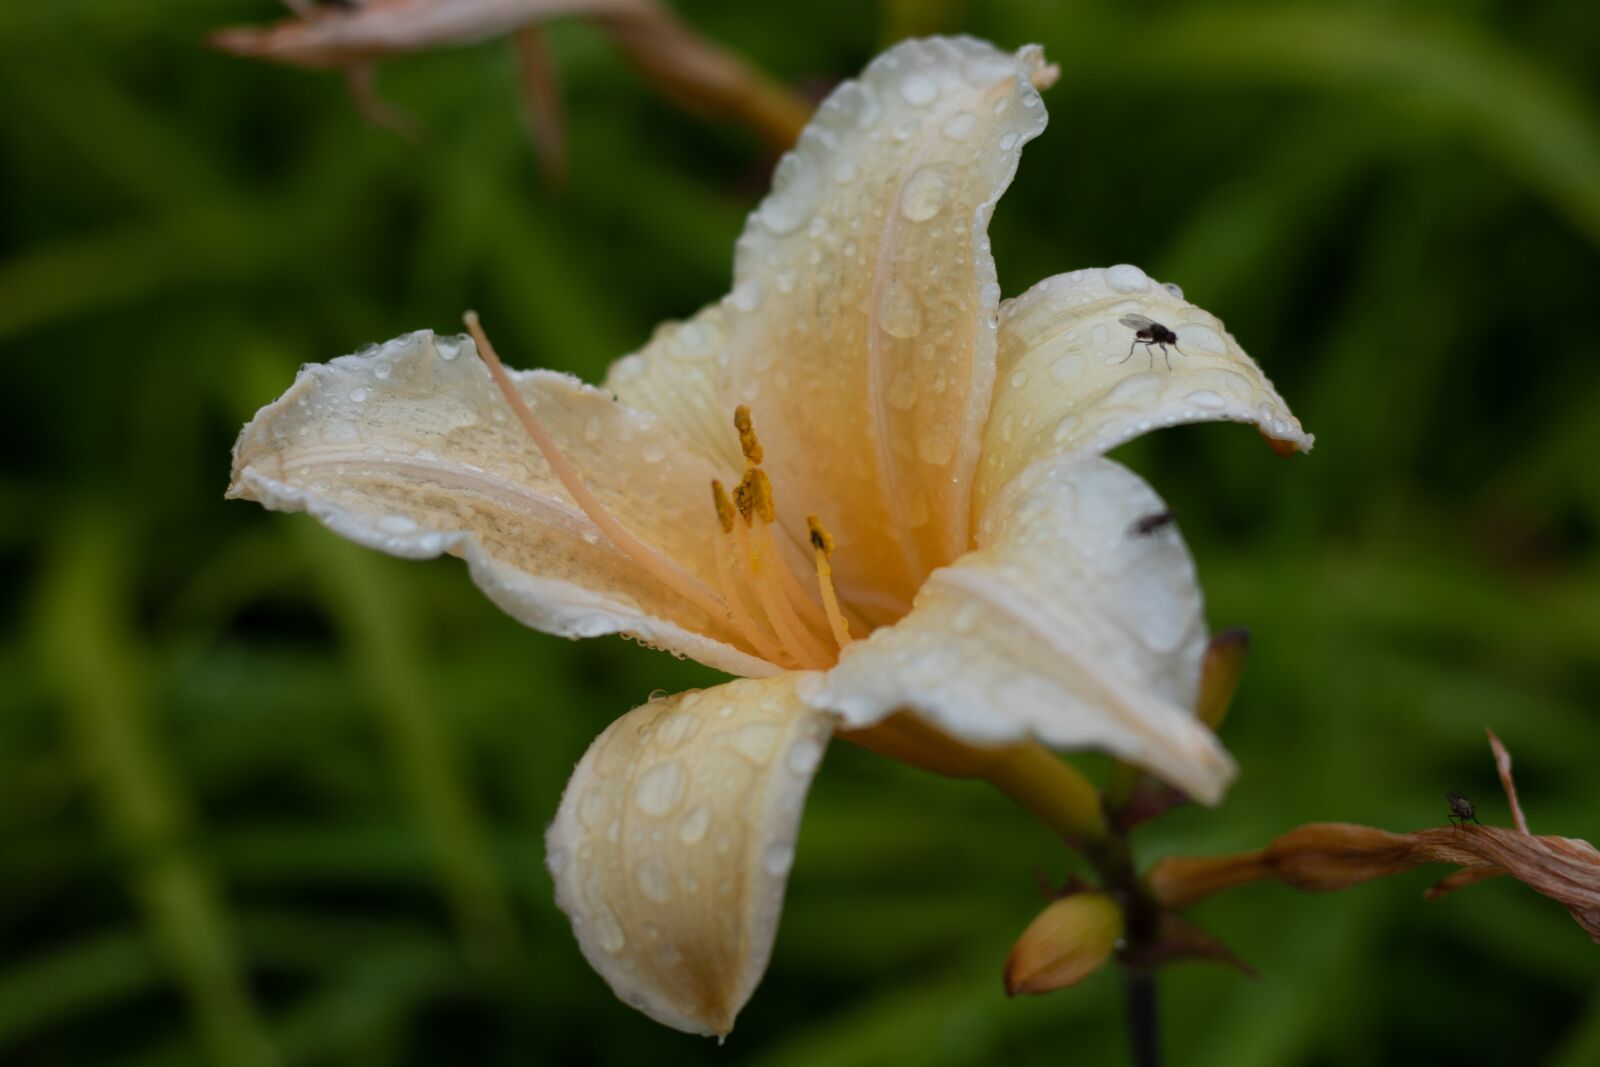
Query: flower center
{"points": [[757, 589], [767, 600]]}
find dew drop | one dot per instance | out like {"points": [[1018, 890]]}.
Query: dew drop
{"points": [[592, 429], [804, 755], [1201, 338], [1205, 398], [653, 453], [960, 126], [1126, 278], [965, 618], [654, 881], [899, 312], [789, 205], [609, 930], [755, 741], [778, 858], [926, 193], [746, 296], [381, 371], [1008, 141], [919, 90], [902, 393], [696, 821], [659, 789], [358, 395], [1135, 389], [844, 171], [396, 524]]}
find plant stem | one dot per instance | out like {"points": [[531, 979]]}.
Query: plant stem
{"points": [[1144, 1019], [1142, 919]]}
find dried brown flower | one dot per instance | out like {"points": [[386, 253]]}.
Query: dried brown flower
{"points": [[692, 70], [1321, 856]]}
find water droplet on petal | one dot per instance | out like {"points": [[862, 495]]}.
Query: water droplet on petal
{"points": [[755, 741], [902, 394], [696, 821], [659, 789], [1126, 278], [960, 126], [1008, 141], [778, 858], [919, 90], [926, 193], [1201, 338], [746, 296], [653, 453], [1205, 398], [609, 930], [899, 311], [654, 881], [804, 755]]}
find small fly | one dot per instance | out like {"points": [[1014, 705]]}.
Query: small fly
{"points": [[1461, 809], [1150, 524], [1150, 333]]}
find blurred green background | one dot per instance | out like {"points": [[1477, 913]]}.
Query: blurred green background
{"points": [[267, 797]]}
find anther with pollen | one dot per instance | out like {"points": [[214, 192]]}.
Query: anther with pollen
{"points": [[748, 442]]}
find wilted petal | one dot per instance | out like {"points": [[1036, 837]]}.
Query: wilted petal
{"points": [[396, 27], [673, 845], [862, 317], [409, 449], [1066, 624], [1066, 383], [681, 376]]}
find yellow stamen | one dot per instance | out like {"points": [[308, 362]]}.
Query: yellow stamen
{"points": [[822, 548], [768, 648], [743, 497], [650, 560], [791, 631], [748, 441], [761, 495], [724, 506]]}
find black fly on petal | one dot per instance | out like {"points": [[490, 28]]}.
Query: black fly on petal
{"points": [[1150, 333]]}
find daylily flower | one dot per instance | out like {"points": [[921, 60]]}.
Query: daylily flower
{"points": [[861, 482]]}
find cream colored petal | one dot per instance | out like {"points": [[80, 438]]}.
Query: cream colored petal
{"points": [[408, 448], [1067, 384], [673, 844], [1067, 624], [681, 376], [862, 320]]}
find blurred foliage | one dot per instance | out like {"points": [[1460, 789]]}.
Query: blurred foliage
{"points": [[266, 797]]}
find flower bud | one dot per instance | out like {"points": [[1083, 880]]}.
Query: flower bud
{"points": [[1066, 943]]}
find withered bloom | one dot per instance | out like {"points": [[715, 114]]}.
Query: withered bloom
{"points": [[1320, 856]]}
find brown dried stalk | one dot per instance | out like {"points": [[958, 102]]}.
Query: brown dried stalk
{"points": [[1323, 856], [690, 69]]}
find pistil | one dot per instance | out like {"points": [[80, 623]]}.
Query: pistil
{"points": [[648, 559]]}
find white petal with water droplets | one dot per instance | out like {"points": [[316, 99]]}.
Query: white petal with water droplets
{"points": [[674, 840], [1067, 625], [862, 333], [1068, 384], [408, 448], [681, 376]]}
